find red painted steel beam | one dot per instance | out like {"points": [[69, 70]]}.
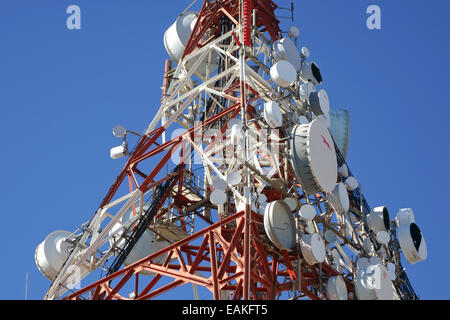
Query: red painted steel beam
{"points": [[209, 19], [147, 260]]}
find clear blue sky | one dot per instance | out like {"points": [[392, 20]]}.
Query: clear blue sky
{"points": [[62, 91]]}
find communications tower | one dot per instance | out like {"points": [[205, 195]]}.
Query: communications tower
{"points": [[239, 184]]}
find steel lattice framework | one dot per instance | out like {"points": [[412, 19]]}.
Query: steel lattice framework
{"points": [[222, 248]]}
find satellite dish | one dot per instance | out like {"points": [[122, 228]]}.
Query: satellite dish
{"points": [[219, 184], [119, 131], [405, 217], [313, 157], [291, 203], [351, 183], [272, 114], [51, 254], [330, 236], [339, 198], [373, 283], [279, 225], [218, 197], [293, 32], [343, 171], [383, 237], [177, 36], [412, 243], [283, 73], [313, 248], [307, 212], [305, 52], [391, 271], [336, 288], [305, 90], [378, 219], [234, 178], [286, 50], [319, 102], [310, 72], [385, 290]]}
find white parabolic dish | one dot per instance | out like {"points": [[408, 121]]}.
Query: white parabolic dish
{"points": [[319, 102], [272, 114], [307, 212], [119, 131], [283, 73], [412, 243], [378, 219], [343, 171], [51, 254], [337, 289], [285, 49], [218, 197], [373, 283], [177, 36], [219, 184], [234, 178], [293, 32], [405, 216], [339, 198], [313, 157], [313, 248], [383, 237], [351, 183], [279, 225], [305, 90], [291, 202]]}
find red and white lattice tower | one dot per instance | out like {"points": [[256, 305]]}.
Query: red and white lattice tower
{"points": [[193, 204]]}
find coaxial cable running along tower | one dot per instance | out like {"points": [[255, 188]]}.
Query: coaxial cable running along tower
{"points": [[239, 184]]}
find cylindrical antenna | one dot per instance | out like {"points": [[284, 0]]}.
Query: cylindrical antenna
{"points": [[26, 286]]}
